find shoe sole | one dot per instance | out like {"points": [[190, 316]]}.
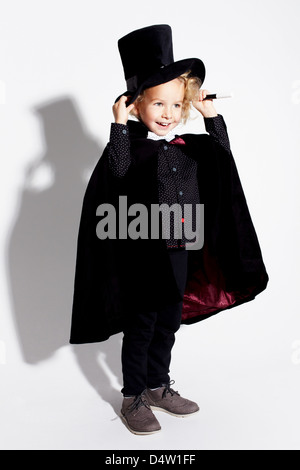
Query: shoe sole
{"points": [[138, 433], [186, 415]]}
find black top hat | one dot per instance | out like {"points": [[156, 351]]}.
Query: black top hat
{"points": [[147, 58]]}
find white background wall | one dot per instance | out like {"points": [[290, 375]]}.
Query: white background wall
{"points": [[59, 74]]}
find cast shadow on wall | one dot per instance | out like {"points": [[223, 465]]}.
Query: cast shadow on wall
{"points": [[42, 246]]}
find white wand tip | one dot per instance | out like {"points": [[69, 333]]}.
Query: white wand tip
{"points": [[224, 95]]}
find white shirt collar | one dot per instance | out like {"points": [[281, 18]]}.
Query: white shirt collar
{"points": [[168, 137]]}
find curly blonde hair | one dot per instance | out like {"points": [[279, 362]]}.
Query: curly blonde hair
{"points": [[192, 85]]}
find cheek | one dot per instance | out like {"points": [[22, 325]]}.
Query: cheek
{"points": [[143, 112], [178, 114], [152, 115]]}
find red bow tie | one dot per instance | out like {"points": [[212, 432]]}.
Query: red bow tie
{"points": [[177, 140]]}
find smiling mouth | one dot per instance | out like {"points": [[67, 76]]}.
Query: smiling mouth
{"points": [[164, 124]]}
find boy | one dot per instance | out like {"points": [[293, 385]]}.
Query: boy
{"points": [[147, 286]]}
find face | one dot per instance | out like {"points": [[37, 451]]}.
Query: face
{"points": [[161, 108]]}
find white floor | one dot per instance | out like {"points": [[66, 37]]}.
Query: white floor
{"points": [[247, 385]]}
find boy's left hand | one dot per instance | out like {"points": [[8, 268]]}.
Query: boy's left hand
{"points": [[206, 108]]}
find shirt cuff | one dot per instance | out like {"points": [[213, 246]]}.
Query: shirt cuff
{"points": [[215, 124], [118, 132], [217, 129]]}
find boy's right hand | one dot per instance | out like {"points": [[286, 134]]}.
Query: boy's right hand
{"points": [[121, 111]]}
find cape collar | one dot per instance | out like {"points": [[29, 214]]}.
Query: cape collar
{"points": [[137, 129]]}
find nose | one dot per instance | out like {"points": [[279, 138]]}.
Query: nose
{"points": [[167, 113]]}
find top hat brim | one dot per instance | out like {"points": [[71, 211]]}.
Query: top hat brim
{"points": [[165, 74]]}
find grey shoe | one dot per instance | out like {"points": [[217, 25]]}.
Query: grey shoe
{"points": [[138, 417], [166, 399]]}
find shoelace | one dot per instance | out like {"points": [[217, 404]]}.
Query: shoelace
{"points": [[168, 389], [139, 401]]}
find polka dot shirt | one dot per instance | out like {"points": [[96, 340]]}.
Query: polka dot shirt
{"points": [[176, 176]]}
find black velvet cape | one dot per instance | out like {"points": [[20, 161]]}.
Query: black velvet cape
{"points": [[115, 277]]}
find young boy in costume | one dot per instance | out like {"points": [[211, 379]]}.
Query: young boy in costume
{"points": [[147, 286]]}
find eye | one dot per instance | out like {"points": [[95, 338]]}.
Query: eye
{"points": [[177, 105], [158, 104]]}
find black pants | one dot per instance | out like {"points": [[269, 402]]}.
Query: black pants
{"points": [[149, 338]]}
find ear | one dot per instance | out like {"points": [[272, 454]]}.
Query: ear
{"points": [[135, 110]]}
